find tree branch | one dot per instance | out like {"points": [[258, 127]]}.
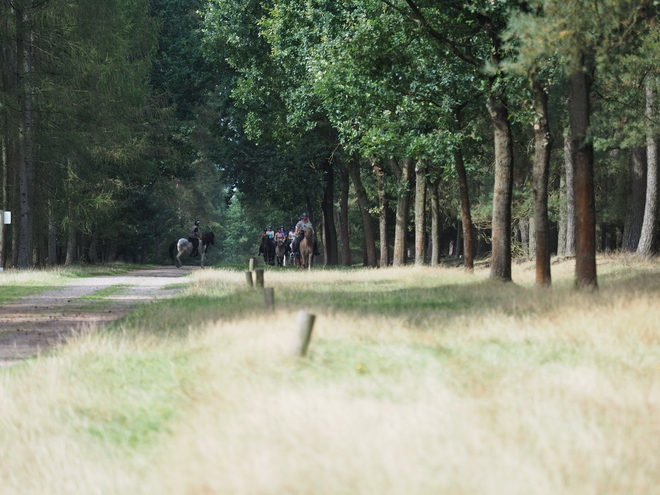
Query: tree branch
{"points": [[417, 16]]}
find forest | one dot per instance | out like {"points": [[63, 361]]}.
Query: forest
{"points": [[411, 130]]}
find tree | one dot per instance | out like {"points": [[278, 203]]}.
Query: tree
{"points": [[582, 36], [480, 30]]}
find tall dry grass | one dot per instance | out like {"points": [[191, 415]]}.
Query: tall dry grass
{"points": [[524, 391]]}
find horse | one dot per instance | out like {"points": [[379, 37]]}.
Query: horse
{"points": [[306, 249], [268, 245], [184, 246], [280, 251]]}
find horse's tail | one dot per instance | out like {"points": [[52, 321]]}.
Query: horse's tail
{"points": [[172, 248]]}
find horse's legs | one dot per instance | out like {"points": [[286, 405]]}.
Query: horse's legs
{"points": [[202, 256]]}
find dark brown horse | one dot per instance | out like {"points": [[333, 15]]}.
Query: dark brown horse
{"points": [[280, 251]]}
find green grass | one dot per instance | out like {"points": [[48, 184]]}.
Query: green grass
{"points": [[106, 292], [138, 395], [11, 292]]}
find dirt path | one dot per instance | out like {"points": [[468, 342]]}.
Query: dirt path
{"points": [[31, 324]]}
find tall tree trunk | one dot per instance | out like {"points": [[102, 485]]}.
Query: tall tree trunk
{"points": [[71, 244], [561, 227], [3, 189], [420, 213], [363, 203], [9, 72], [645, 245], [52, 233], [327, 205], [569, 169], [26, 166], [343, 215], [585, 204], [531, 239], [466, 215], [436, 228], [541, 173], [500, 267], [379, 171], [524, 227], [403, 173], [635, 215]]}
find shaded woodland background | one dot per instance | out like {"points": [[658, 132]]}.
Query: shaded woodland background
{"points": [[410, 130]]}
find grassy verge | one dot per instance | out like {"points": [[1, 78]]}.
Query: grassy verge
{"points": [[418, 381], [19, 283]]}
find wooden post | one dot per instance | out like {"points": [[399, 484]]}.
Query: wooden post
{"points": [[260, 278], [248, 279], [252, 264], [303, 332], [269, 298]]}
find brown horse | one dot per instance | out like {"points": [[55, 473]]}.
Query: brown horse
{"points": [[306, 250]]}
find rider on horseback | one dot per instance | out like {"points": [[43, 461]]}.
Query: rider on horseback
{"points": [[280, 234], [194, 237], [300, 234]]}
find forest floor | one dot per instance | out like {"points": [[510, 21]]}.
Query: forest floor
{"points": [[32, 324]]}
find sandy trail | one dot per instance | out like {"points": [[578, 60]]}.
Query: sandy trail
{"points": [[32, 324]]}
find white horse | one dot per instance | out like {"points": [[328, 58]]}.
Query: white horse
{"points": [[184, 246]]}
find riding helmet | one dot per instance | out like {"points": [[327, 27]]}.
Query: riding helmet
{"points": [[304, 214], [196, 222]]}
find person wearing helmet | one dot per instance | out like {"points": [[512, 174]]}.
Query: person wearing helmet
{"points": [[300, 233], [270, 233], [194, 237]]}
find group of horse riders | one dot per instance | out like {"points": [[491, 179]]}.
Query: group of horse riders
{"points": [[292, 238]]}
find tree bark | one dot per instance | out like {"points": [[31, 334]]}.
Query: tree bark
{"points": [[502, 194], [70, 244], [635, 215], [343, 215], [26, 165], [466, 215], [420, 213], [561, 226], [327, 205], [436, 228], [52, 234], [382, 214], [569, 165], [9, 127], [645, 245], [540, 175], [403, 173], [523, 229], [363, 203], [585, 205]]}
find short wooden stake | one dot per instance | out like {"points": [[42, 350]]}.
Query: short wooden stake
{"points": [[303, 332], [248, 279], [260, 278], [252, 263], [269, 298]]}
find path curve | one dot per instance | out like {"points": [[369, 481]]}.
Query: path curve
{"points": [[31, 324]]}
